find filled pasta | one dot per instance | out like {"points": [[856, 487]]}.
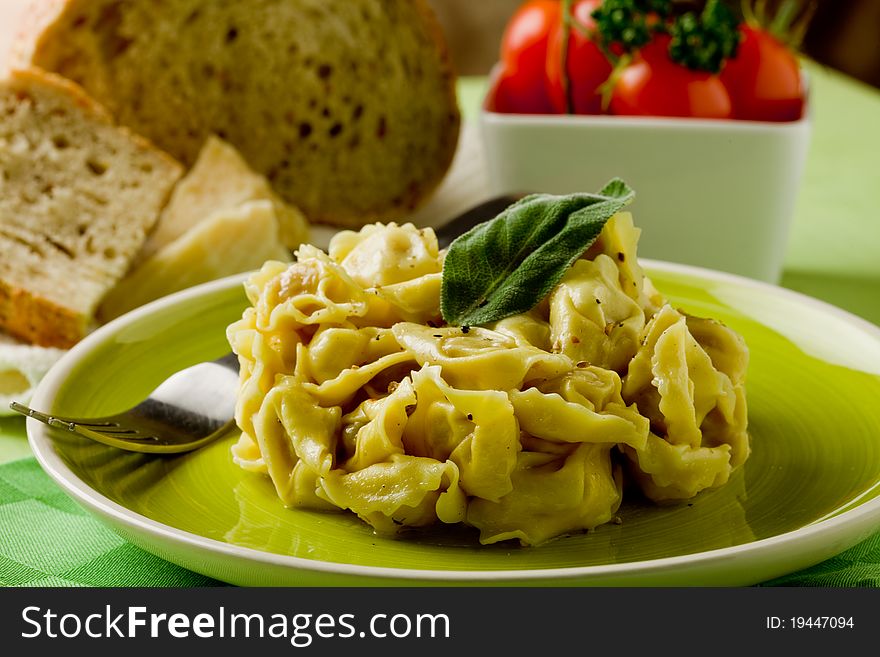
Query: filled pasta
{"points": [[356, 396]]}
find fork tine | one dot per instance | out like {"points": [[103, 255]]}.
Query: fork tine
{"points": [[103, 427], [91, 430], [24, 410], [101, 431], [159, 424], [106, 425], [64, 422], [60, 424], [123, 441]]}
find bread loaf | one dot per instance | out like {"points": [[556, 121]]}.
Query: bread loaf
{"points": [[77, 197], [347, 106]]}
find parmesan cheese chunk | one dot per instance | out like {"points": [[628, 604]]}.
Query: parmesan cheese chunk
{"points": [[227, 242]]}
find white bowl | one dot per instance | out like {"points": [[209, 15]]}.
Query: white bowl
{"points": [[711, 193]]}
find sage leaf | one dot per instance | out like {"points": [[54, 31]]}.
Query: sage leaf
{"points": [[505, 266]]}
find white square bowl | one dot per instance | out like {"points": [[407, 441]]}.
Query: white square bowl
{"points": [[712, 193]]}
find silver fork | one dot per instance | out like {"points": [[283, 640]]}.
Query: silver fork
{"points": [[191, 408], [196, 405]]}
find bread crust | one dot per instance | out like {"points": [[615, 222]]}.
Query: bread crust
{"points": [[29, 314], [39, 321], [79, 98], [449, 73], [323, 183]]}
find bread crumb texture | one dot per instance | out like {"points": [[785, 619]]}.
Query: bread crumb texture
{"points": [[347, 106], [77, 197]]}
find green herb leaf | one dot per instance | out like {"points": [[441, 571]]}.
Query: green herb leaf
{"points": [[628, 25], [507, 265], [707, 41]]}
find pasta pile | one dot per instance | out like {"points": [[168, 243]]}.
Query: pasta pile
{"points": [[355, 395]]}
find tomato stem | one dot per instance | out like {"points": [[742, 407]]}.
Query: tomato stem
{"points": [[751, 9], [606, 89], [612, 58], [784, 17], [566, 82], [788, 24]]}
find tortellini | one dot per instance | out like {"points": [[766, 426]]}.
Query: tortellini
{"points": [[480, 359], [592, 319], [356, 396], [696, 405]]}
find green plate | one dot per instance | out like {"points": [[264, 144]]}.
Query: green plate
{"points": [[809, 490]]}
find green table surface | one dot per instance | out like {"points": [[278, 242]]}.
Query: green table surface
{"points": [[833, 254]]}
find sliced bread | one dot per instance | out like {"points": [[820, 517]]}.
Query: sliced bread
{"points": [[77, 197], [219, 180], [347, 106]]}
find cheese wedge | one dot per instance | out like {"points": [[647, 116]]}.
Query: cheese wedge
{"points": [[220, 179], [227, 242]]}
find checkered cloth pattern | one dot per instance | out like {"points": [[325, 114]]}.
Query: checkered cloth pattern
{"points": [[50, 541]]}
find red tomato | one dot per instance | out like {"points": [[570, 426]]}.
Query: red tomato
{"points": [[587, 66], [520, 87], [505, 95], [654, 85], [764, 79]]}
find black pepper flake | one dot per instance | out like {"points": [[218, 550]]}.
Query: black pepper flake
{"points": [[470, 416], [620, 256], [465, 329], [438, 335]]}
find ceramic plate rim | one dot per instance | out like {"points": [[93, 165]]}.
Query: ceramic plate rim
{"points": [[845, 529]]}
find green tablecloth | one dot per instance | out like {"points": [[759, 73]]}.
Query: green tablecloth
{"points": [[833, 254]]}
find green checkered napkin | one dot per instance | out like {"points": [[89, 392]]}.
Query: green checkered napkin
{"points": [[50, 541]]}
